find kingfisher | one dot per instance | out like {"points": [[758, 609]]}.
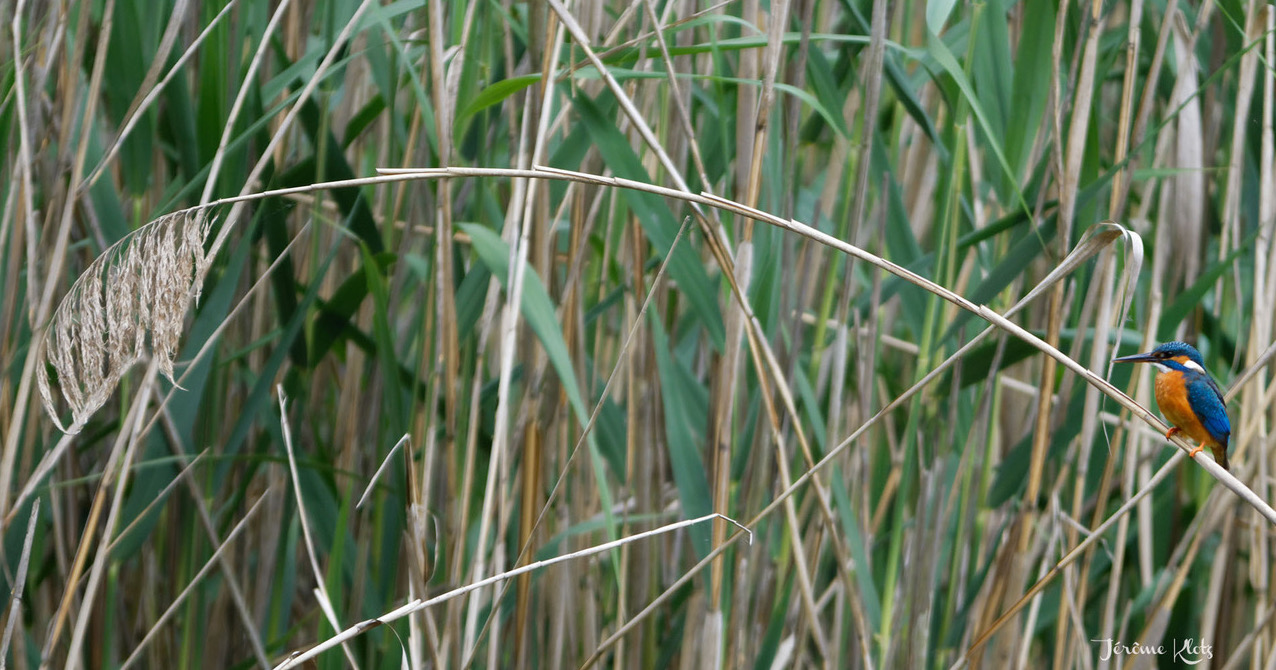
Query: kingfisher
{"points": [[1188, 397]]}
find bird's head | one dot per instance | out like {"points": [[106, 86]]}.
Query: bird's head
{"points": [[1169, 356]]}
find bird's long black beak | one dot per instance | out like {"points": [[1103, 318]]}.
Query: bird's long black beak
{"points": [[1136, 358]]}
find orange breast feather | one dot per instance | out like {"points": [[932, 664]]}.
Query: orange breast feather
{"points": [[1171, 397]]}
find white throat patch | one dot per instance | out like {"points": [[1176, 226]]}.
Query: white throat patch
{"points": [[1161, 367]]}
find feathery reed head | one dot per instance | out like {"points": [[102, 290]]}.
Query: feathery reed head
{"points": [[140, 286]]}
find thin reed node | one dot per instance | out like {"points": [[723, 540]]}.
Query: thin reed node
{"points": [[129, 303]]}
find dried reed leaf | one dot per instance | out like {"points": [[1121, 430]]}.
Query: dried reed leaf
{"points": [[141, 286]]}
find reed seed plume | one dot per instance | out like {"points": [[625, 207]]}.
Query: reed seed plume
{"points": [[131, 301]]}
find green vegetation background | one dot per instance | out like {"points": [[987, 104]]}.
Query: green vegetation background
{"points": [[444, 340]]}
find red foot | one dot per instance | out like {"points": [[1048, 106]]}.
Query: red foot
{"points": [[1194, 452], [1172, 432]]}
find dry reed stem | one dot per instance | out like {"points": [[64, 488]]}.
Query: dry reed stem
{"points": [[446, 344], [517, 233], [420, 605], [1121, 178], [621, 357], [1099, 356], [1256, 413], [23, 168], [312, 555], [62, 233], [1187, 184], [130, 302], [443, 309], [249, 84], [1230, 234], [118, 467], [229, 571], [268, 152], [19, 581], [752, 133], [1147, 102], [215, 560]]}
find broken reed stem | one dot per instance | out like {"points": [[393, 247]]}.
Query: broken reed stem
{"points": [[129, 303]]}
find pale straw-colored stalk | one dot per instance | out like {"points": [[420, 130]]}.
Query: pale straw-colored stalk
{"points": [[420, 604], [217, 558], [19, 583], [312, 554]]}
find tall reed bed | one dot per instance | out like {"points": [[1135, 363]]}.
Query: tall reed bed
{"points": [[346, 332]]}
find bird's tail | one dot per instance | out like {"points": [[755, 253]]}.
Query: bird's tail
{"points": [[1220, 455]]}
